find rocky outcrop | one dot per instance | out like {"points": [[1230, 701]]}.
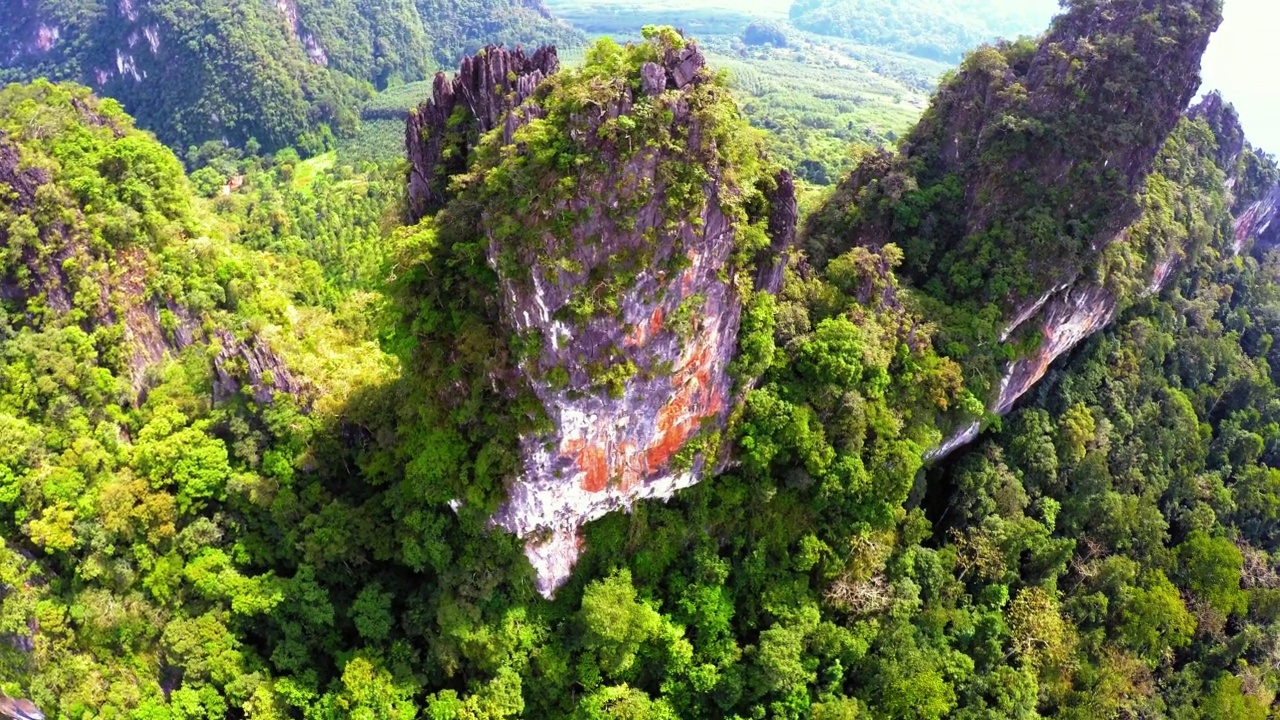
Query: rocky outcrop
{"points": [[253, 365], [630, 285], [19, 709], [155, 331], [441, 133], [783, 216], [1260, 223], [22, 181], [1222, 119]]}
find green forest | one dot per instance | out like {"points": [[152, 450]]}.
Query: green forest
{"points": [[254, 73], [256, 421], [935, 29]]}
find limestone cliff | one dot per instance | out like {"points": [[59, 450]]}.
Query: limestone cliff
{"points": [[628, 217], [1066, 316], [1015, 196]]}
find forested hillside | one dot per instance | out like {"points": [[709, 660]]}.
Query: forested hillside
{"points": [[286, 73], [935, 29], [579, 415]]}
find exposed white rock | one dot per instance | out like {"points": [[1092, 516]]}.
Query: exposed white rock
{"points": [[289, 9], [153, 38], [955, 442], [126, 65], [1028, 312], [47, 36], [314, 51], [1259, 222]]}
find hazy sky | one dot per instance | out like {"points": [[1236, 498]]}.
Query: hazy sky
{"points": [[1244, 63]]}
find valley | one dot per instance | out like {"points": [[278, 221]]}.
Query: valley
{"points": [[833, 359]]}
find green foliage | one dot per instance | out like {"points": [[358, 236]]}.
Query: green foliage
{"points": [[937, 29], [1154, 620], [1210, 568], [280, 74], [1140, 450], [615, 625], [172, 549], [138, 492]]}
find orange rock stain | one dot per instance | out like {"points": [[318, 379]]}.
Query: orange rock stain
{"points": [[686, 283], [655, 321], [592, 460], [642, 332], [695, 398]]}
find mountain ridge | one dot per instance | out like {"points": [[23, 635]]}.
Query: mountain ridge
{"points": [[280, 72]]}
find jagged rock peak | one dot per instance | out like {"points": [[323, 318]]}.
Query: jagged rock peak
{"points": [[443, 130], [1222, 118], [630, 215]]}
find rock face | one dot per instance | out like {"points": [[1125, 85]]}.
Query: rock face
{"points": [[1260, 222], [1068, 319], [442, 132], [632, 296]]}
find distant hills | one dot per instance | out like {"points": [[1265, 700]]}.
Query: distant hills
{"points": [[279, 72], [935, 29]]}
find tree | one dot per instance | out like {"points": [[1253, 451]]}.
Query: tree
{"points": [[370, 692], [1210, 567], [1153, 619], [615, 624], [619, 702], [762, 32], [1039, 634]]}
